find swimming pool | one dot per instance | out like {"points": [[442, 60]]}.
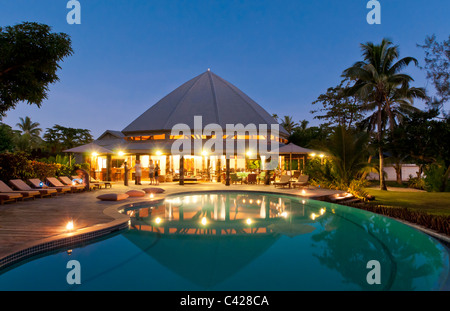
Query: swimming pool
{"points": [[236, 240]]}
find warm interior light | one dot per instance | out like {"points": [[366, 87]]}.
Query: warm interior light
{"points": [[321, 155], [121, 153], [313, 154], [249, 221], [69, 225], [94, 154], [151, 195], [303, 191], [204, 153], [249, 153], [204, 221], [158, 153], [158, 220], [284, 214]]}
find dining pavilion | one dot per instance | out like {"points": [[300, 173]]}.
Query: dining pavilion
{"points": [[151, 137]]}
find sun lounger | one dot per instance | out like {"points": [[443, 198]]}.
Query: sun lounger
{"points": [[9, 197], [26, 194], [98, 183], [19, 184], [54, 182], [104, 183], [38, 184], [69, 182], [302, 181], [284, 181]]}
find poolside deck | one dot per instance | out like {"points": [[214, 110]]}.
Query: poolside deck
{"points": [[27, 223]]}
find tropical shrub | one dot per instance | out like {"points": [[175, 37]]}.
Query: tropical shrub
{"points": [[434, 177], [15, 166], [416, 183]]}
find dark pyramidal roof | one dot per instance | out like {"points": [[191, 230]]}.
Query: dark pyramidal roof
{"points": [[206, 95]]}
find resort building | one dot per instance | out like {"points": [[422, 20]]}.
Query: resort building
{"points": [[208, 99]]}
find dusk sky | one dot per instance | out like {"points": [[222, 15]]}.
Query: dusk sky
{"points": [[283, 54]]}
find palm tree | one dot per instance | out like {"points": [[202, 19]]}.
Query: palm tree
{"points": [[29, 134], [288, 124], [28, 127], [382, 85]]}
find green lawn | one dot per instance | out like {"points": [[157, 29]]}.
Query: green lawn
{"points": [[437, 203]]}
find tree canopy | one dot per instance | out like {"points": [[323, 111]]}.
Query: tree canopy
{"points": [[29, 59]]}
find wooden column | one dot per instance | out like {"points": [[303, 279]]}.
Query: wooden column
{"points": [[181, 182], [108, 167], [227, 181]]}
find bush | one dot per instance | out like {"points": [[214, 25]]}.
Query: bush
{"points": [[18, 166], [15, 166], [416, 183], [434, 177]]}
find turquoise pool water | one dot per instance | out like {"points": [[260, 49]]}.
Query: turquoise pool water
{"points": [[245, 241]]}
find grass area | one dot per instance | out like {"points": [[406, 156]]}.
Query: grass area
{"points": [[435, 203]]}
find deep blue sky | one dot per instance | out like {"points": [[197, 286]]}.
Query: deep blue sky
{"points": [[283, 54]]}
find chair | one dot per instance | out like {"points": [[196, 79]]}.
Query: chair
{"points": [[251, 178], [302, 181], [54, 182], [94, 183], [4, 188], [235, 178], [296, 175], [9, 197], [38, 184], [284, 181], [69, 182], [22, 186]]}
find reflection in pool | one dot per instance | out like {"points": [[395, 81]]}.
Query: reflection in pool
{"points": [[245, 241]]}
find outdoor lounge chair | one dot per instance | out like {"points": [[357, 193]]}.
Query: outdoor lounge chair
{"points": [[69, 182], [284, 181], [75, 181], [4, 188], [98, 183], [38, 184], [19, 184], [9, 197], [54, 182], [302, 181]]}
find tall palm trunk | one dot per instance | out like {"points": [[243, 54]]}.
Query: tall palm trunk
{"points": [[380, 149]]}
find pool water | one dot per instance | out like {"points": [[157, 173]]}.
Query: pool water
{"points": [[245, 241]]}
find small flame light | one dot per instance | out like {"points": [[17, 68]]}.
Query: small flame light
{"points": [[303, 192], [249, 221], [69, 226], [204, 221], [151, 195], [158, 220]]}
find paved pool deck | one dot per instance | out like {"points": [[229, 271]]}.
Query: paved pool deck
{"points": [[27, 223]]}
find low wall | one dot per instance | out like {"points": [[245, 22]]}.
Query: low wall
{"points": [[407, 169]]}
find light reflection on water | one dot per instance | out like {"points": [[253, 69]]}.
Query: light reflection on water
{"points": [[247, 241]]}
